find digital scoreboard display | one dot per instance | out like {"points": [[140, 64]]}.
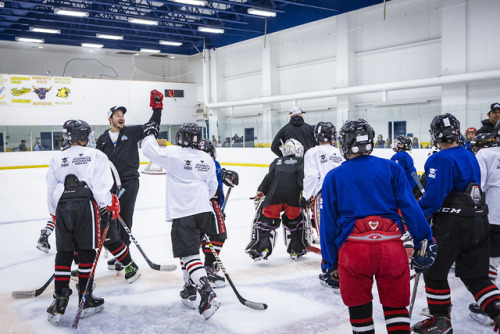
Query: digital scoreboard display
{"points": [[174, 93]]}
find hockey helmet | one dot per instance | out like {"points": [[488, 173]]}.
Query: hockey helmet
{"points": [[188, 135], [444, 129], [401, 143], [207, 146], [76, 131], [356, 137], [325, 132], [483, 140], [461, 140], [293, 147], [471, 129]]}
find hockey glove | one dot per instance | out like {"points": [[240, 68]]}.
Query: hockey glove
{"points": [[305, 203], [114, 208], [230, 178], [422, 260], [156, 100], [151, 128], [256, 200]]}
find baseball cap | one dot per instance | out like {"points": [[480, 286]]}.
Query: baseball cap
{"points": [[296, 111], [115, 108], [494, 106]]}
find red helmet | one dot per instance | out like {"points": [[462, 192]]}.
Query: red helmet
{"points": [[471, 129]]}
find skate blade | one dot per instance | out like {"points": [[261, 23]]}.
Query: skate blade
{"points": [[482, 318], [191, 303], [43, 249], [214, 306], [87, 312], [134, 278], [54, 318], [218, 284]]}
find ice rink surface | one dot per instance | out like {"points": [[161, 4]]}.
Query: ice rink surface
{"points": [[297, 302]]}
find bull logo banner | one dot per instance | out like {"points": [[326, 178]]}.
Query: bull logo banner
{"points": [[42, 90]]}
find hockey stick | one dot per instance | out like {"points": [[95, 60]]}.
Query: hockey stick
{"points": [[313, 249], [417, 181], [227, 197], [33, 293], [417, 278], [163, 267], [247, 303]]}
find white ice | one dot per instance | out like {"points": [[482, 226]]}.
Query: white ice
{"points": [[297, 302]]}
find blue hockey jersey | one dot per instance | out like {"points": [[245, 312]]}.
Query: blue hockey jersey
{"points": [[406, 161]]}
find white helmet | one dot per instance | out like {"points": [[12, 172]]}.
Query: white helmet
{"points": [[293, 147]]}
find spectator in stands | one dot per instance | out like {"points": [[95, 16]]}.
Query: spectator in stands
{"points": [[214, 141], [415, 143], [22, 146], [380, 142], [493, 118], [297, 129], [388, 142], [37, 146], [469, 134], [226, 143]]}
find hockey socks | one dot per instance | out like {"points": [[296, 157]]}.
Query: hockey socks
{"points": [[361, 319], [120, 252], [397, 320], [438, 296], [62, 270], [194, 268]]}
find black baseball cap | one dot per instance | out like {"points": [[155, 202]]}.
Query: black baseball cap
{"points": [[494, 106], [112, 110]]}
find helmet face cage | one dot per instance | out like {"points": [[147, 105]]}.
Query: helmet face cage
{"points": [[444, 129], [401, 143], [188, 135], [75, 131], [293, 147], [325, 132], [483, 140], [356, 137], [207, 146]]}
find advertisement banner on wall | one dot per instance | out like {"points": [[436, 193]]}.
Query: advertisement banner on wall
{"points": [[62, 91], [20, 89], [42, 90], [4, 90]]}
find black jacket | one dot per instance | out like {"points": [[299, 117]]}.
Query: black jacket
{"points": [[125, 156], [487, 127], [297, 129], [283, 182]]}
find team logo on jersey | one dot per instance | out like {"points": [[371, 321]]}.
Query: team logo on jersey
{"points": [[124, 137], [280, 162], [81, 160], [432, 172], [202, 167], [322, 158], [63, 92], [187, 165], [335, 158], [290, 162], [41, 92], [64, 162]]}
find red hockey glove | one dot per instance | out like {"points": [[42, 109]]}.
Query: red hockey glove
{"points": [[156, 100], [114, 208], [53, 219], [257, 199]]}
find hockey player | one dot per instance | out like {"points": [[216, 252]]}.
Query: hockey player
{"points": [[78, 188], [281, 187], [318, 161], [217, 231], [485, 145], [457, 206], [361, 227], [191, 183], [401, 146]]}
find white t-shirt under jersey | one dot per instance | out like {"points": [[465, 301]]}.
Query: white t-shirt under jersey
{"points": [[489, 162], [191, 178], [318, 161]]}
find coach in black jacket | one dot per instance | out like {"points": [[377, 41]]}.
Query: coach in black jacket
{"points": [[493, 118], [297, 129]]}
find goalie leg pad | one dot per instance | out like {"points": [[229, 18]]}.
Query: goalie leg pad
{"points": [[263, 238], [295, 236]]}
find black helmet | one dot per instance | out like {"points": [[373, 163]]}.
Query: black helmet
{"points": [[325, 132], [483, 140], [461, 140], [401, 143], [207, 146], [444, 129], [75, 131], [188, 135], [356, 137]]}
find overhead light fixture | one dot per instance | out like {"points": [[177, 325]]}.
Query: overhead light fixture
{"points": [[70, 12], [29, 40], [2, 4], [261, 12], [105, 36], [143, 21], [45, 30], [192, 2], [150, 50], [212, 30], [92, 45], [170, 43], [172, 57]]}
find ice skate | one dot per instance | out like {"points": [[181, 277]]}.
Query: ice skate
{"points": [[434, 325], [215, 280], [296, 255], [58, 306], [114, 264], [188, 296], [327, 281], [132, 272], [209, 304], [43, 241], [477, 313], [92, 304]]}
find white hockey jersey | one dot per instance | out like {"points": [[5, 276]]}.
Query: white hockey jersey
{"points": [[191, 178], [318, 161], [489, 162], [87, 164]]}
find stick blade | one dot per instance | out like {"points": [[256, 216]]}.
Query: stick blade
{"points": [[255, 306], [162, 267], [23, 294]]}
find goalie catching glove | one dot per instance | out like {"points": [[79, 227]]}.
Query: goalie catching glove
{"points": [[230, 178], [156, 100], [423, 260], [112, 211]]}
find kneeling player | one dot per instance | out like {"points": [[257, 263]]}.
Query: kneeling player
{"points": [[281, 187]]}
